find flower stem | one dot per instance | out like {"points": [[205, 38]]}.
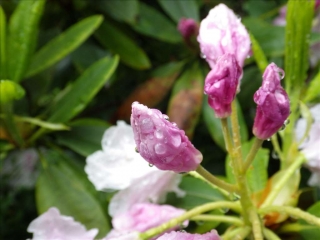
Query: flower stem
{"points": [[216, 181], [250, 214], [253, 151], [217, 218], [279, 185], [187, 215], [237, 234], [293, 212], [275, 143], [226, 134], [270, 235]]}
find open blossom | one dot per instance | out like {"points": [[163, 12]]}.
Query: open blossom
{"points": [[152, 187], [273, 104], [118, 164], [310, 145], [222, 32], [213, 235], [51, 225], [221, 84], [161, 142]]}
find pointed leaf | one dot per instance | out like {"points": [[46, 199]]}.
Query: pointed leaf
{"points": [[153, 90], [85, 136], [115, 40], [23, 32], [76, 98], [258, 54], [186, 99], [3, 43], [313, 90], [126, 11], [150, 22], [180, 9], [62, 45], [60, 186]]}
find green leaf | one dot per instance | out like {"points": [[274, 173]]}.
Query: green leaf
{"points": [[115, 40], [313, 90], [214, 124], [257, 175], [23, 33], [76, 97], [59, 186], [180, 9], [10, 91], [3, 43], [313, 232], [150, 21], [271, 38], [197, 193], [62, 45], [258, 54], [306, 114], [43, 124], [126, 11], [299, 19], [85, 136]]}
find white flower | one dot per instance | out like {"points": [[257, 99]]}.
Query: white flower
{"points": [[310, 147], [51, 225], [118, 164]]}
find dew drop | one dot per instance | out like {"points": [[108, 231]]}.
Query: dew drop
{"points": [[268, 139], [176, 140], [203, 56], [166, 117], [160, 148], [217, 85], [274, 155], [174, 124], [136, 149], [158, 133], [146, 125], [150, 165]]}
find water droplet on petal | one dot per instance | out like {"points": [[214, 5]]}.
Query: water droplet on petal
{"points": [[176, 140], [136, 149], [146, 125], [203, 56], [150, 165], [268, 139], [166, 117], [274, 154], [160, 148], [158, 133], [174, 124]]}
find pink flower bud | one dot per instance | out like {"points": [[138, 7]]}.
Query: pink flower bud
{"points": [[221, 85], [188, 27], [222, 32], [273, 104], [161, 142], [213, 235]]}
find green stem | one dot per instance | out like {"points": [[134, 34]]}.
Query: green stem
{"points": [[275, 143], [216, 181], [36, 135], [250, 214], [294, 227], [197, 175], [270, 235], [217, 218], [293, 212], [226, 135], [237, 234], [188, 215], [253, 151], [280, 184]]}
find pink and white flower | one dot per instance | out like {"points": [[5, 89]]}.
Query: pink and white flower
{"points": [[213, 235]]}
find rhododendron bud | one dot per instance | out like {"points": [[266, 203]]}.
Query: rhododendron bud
{"points": [[221, 85], [51, 225], [161, 142], [188, 27], [213, 235], [273, 104], [222, 32]]}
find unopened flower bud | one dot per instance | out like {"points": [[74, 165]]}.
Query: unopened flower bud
{"points": [[221, 85], [188, 27], [161, 142], [273, 104], [222, 32]]}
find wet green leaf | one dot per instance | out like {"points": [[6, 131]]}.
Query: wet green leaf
{"points": [[76, 97], [3, 43], [180, 9], [152, 23], [63, 44], [115, 40], [23, 33], [313, 90], [258, 54]]}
